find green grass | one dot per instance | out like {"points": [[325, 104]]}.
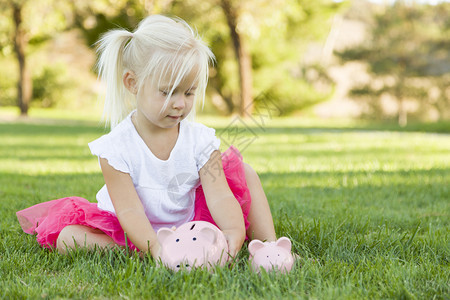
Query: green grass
{"points": [[367, 209]]}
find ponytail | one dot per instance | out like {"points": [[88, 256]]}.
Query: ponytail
{"points": [[111, 69]]}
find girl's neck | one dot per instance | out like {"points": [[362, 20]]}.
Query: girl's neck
{"points": [[159, 140]]}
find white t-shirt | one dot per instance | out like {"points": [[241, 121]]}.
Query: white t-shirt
{"points": [[166, 188]]}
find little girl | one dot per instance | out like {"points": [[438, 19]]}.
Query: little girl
{"points": [[155, 157]]}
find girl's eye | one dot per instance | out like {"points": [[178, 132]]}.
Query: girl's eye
{"points": [[164, 93], [189, 94]]}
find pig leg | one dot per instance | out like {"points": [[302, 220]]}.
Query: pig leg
{"points": [[260, 217]]}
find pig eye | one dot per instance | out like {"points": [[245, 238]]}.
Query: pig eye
{"points": [[177, 240], [187, 265], [194, 239], [178, 266]]}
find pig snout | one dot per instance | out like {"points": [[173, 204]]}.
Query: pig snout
{"points": [[183, 264], [271, 259]]}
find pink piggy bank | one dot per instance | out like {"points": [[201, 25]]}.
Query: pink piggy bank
{"points": [[191, 245], [271, 255]]}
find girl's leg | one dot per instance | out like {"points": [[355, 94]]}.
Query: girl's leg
{"points": [[260, 217], [82, 236]]}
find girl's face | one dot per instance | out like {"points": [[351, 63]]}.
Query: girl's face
{"points": [[151, 99]]}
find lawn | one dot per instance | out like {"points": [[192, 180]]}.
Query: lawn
{"points": [[367, 210]]}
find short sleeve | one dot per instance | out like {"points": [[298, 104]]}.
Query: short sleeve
{"points": [[207, 143], [103, 148]]}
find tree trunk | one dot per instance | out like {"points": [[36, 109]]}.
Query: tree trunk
{"points": [[243, 57], [25, 85]]}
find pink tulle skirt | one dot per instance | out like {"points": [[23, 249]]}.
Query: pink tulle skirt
{"points": [[47, 219]]}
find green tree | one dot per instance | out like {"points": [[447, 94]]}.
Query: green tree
{"points": [[259, 45], [20, 41], [249, 38], [94, 18], [408, 54], [278, 44], [232, 11], [30, 22]]}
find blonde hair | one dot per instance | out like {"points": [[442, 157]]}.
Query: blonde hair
{"points": [[159, 47]]}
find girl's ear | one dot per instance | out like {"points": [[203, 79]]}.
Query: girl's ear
{"points": [[130, 82]]}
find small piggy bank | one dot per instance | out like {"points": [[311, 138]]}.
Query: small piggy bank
{"points": [[194, 244], [271, 255]]}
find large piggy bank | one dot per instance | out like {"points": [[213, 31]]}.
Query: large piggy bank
{"points": [[194, 244], [271, 255]]}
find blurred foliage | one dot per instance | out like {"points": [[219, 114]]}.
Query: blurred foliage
{"points": [[41, 19], [49, 85], [409, 58], [8, 90], [26, 26], [94, 18], [277, 40], [407, 52]]}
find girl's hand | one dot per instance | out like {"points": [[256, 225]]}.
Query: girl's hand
{"points": [[235, 240], [155, 250]]}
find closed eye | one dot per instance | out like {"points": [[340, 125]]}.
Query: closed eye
{"points": [[188, 93], [191, 91]]}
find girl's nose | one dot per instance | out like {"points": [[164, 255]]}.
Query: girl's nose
{"points": [[179, 102]]}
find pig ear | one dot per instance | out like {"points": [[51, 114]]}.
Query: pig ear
{"points": [[284, 243], [210, 234], [254, 246], [163, 234]]}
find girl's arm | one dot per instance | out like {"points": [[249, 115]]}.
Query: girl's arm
{"points": [[221, 202], [129, 209]]}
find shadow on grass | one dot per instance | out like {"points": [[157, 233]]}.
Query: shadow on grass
{"points": [[319, 130], [20, 129], [65, 127], [262, 127]]}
